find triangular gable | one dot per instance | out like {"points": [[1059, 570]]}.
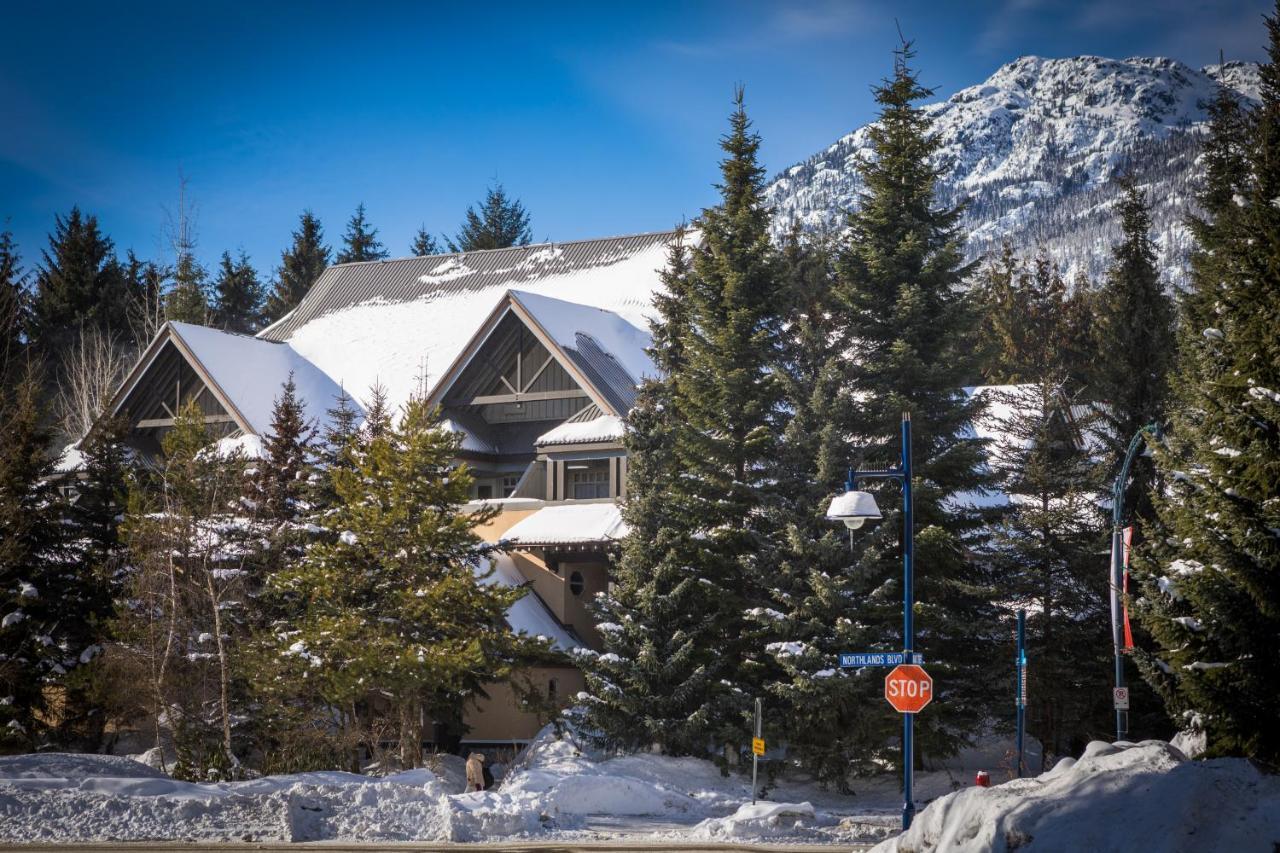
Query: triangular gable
{"points": [[139, 391], [512, 306], [241, 374]]}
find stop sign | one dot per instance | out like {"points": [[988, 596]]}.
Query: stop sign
{"points": [[908, 688]]}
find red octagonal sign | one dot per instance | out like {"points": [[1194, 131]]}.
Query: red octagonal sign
{"points": [[908, 688]]}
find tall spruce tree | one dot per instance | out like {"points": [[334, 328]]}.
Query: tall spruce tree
{"points": [[1210, 571], [686, 677], [901, 274], [360, 241], [39, 628], [1135, 344], [15, 309], [424, 244], [300, 265], [79, 284], [237, 295], [806, 618], [500, 222]]}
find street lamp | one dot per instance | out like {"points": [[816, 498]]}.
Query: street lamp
{"points": [[855, 509]]}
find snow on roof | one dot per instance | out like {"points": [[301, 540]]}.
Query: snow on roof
{"points": [[71, 459], [470, 441], [406, 344], [567, 322], [529, 615], [252, 372], [570, 524], [603, 428]]}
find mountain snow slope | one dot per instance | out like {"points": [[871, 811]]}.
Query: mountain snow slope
{"points": [[1033, 153]]}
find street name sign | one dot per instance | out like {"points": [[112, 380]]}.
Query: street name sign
{"points": [[908, 688], [854, 659]]}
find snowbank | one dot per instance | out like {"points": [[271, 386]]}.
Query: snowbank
{"points": [[60, 798], [1116, 797], [760, 820]]}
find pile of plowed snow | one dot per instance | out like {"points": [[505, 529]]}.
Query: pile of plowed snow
{"points": [[1116, 797], [51, 797]]}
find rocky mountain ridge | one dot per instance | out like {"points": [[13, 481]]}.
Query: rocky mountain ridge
{"points": [[1033, 152]]}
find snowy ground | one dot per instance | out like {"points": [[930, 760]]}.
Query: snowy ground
{"points": [[557, 793], [1116, 797]]}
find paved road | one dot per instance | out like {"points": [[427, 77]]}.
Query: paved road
{"points": [[414, 847]]}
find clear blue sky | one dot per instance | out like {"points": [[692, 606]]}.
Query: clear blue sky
{"points": [[603, 117]]}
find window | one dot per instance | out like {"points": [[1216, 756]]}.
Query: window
{"points": [[588, 480], [509, 483], [576, 583], [553, 688], [484, 492]]}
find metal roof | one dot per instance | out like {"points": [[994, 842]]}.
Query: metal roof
{"points": [[407, 279]]}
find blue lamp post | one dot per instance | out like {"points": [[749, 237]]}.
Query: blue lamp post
{"points": [[855, 508]]}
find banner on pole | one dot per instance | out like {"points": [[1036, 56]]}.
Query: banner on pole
{"points": [[1128, 632]]}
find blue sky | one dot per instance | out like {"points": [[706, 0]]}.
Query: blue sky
{"points": [[602, 117]]}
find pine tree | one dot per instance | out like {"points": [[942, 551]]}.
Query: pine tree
{"points": [[1210, 571], [1135, 345], [280, 482], [237, 295], [901, 277], [342, 426], [424, 244], [392, 604], [79, 284], [300, 265], [1045, 549], [360, 242], [94, 522], [187, 300], [814, 707], [684, 682], [15, 309], [500, 223], [38, 594]]}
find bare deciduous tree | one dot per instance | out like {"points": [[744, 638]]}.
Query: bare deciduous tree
{"points": [[89, 376]]}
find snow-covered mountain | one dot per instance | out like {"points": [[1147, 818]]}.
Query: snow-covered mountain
{"points": [[1034, 150]]}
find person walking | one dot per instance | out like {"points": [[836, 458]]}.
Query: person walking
{"points": [[475, 772]]}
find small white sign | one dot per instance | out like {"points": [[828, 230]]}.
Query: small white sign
{"points": [[1120, 697]]}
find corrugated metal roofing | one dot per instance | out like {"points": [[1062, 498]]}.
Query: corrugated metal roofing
{"points": [[407, 279]]}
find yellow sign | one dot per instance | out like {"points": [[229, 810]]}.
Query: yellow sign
{"points": [[757, 745]]}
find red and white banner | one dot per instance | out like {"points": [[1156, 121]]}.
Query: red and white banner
{"points": [[1128, 633]]}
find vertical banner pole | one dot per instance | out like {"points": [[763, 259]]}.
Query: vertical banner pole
{"points": [[1117, 550], [908, 629], [755, 759], [1021, 669]]}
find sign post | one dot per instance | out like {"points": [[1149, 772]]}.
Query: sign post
{"points": [[1020, 697], [861, 659], [908, 688], [757, 750]]}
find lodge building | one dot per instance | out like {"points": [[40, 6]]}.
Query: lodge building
{"points": [[533, 354]]}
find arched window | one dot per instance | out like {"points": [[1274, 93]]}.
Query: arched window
{"points": [[576, 583]]}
